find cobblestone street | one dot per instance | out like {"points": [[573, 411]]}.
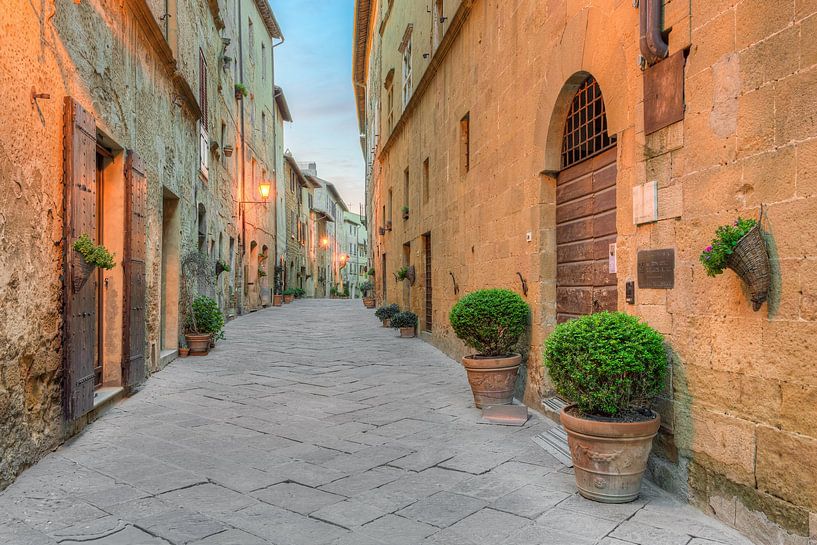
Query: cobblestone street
{"points": [[311, 425]]}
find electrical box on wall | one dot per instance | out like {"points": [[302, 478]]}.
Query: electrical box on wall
{"points": [[528, 236]]}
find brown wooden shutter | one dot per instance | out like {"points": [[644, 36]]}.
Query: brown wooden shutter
{"points": [[133, 261], [80, 284]]}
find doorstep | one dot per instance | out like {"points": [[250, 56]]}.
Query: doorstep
{"points": [[108, 395], [167, 356]]}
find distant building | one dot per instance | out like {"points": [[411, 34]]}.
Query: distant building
{"points": [[355, 245]]}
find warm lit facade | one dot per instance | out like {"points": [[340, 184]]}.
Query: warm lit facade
{"points": [[354, 246], [297, 269], [463, 107], [141, 144]]}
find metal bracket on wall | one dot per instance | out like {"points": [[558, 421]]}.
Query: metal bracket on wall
{"points": [[524, 284], [454, 280]]}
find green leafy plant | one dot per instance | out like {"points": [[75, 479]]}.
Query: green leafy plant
{"points": [[401, 274], [404, 319], [366, 287], [262, 273], [490, 321], [298, 292], [606, 362], [387, 312], [289, 291], [240, 89], [205, 317], [715, 256], [278, 280], [370, 272], [94, 254], [222, 266]]}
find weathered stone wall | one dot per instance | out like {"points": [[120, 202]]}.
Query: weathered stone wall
{"points": [[738, 438], [98, 53]]}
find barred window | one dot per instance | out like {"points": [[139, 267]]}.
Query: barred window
{"points": [[585, 133]]}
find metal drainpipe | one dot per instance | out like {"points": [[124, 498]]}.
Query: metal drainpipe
{"points": [[653, 46], [242, 207]]}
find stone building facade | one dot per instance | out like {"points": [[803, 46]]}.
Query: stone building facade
{"points": [[297, 271], [354, 273], [463, 108], [134, 136]]}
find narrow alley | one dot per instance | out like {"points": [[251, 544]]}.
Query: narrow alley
{"points": [[309, 425]]}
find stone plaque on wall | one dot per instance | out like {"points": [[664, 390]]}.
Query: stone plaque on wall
{"points": [[656, 268]]}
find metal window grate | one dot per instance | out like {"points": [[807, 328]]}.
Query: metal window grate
{"points": [[585, 133]]}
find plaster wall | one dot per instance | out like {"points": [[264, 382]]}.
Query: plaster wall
{"points": [[738, 438]]}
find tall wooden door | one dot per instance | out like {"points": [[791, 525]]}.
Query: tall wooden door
{"points": [[80, 282], [586, 210], [134, 271], [428, 294]]}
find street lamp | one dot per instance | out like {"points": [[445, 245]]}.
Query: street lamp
{"points": [[325, 242], [264, 189]]}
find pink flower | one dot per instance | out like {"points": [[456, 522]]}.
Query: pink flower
{"points": [[708, 249]]}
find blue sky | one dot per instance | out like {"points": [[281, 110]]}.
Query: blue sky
{"points": [[314, 67]]}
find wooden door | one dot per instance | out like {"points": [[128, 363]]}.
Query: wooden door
{"points": [[585, 231], [428, 297], [133, 342], [79, 284]]}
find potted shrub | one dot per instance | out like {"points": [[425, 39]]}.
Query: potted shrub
{"points": [[386, 313], [491, 322], [183, 351], [240, 91], [406, 322], [289, 295], [405, 211], [86, 257], [203, 324], [299, 293], [741, 247], [366, 290], [611, 366], [222, 266], [278, 286]]}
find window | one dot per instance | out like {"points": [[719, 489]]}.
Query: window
{"points": [[263, 125], [292, 181], [223, 140], [439, 20], [204, 140], [407, 89], [425, 180], [465, 143], [263, 61], [391, 205], [251, 40], [406, 197], [390, 107], [585, 132]]}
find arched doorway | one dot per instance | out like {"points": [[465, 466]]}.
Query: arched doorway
{"points": [[586, 209]]}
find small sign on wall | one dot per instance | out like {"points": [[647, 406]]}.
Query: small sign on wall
{"points": [[645, 203], [612, 263], [656, 269]]}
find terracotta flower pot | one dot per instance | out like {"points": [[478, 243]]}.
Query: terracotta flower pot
{"points": [[277, 300], [492, 380], [199, 345], [212, 341], [184, 352], [288, 298], [387, 322], [407, 332], [609, 457], [369, 302]]}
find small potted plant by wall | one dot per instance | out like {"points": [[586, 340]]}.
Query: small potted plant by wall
{"points": [[406, 322], [401, 274], [611, 366], [299, 293], [86, 257], [491, 322], [289, 295], [386, 313], [741, 247], [405, 211], [222, 266], [203, 322], [184, 351], [240, 91], [278, 287], [366, 290]]}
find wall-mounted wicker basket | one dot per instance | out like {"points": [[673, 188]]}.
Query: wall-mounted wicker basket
{"points": [[750, 261]]}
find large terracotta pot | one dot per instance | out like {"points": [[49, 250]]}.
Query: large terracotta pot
{"points": [[407, 332], [277, 300], [492, 380], [368, 302], [288, 298], [199, 345], [609, 458]]}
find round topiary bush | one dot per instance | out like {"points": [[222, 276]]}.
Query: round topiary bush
{"points": [[606, 363], [490, 321]]}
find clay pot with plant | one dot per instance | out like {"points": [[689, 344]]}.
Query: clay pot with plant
{"points": [[405, 211], [366, 289], [386, 313], [204, 325], [611, 367], [278, 286], [406, 322], [491, 322], [289, 295], [184, 351]]}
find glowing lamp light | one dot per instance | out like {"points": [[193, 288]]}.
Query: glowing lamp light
{"points": [[325, 242], [264, 188]]}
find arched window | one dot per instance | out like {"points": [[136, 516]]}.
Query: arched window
{"points": [[585, 133]]}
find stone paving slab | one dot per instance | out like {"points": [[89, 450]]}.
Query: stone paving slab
{"points": [[312, 425]]}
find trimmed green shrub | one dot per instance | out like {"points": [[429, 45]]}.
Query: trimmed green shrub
{"points": [[490, 321], [387, 311], [93, 254], [206, 317], [606, 362], [404, 319]]}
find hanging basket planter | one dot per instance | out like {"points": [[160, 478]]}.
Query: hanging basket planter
{"points": [[750, 261], [80, 271]]}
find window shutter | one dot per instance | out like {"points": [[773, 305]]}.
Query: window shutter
{"points": [[79, 284], [133, 262]]}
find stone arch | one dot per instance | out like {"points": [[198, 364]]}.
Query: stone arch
{"points": [[588, 46]]}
